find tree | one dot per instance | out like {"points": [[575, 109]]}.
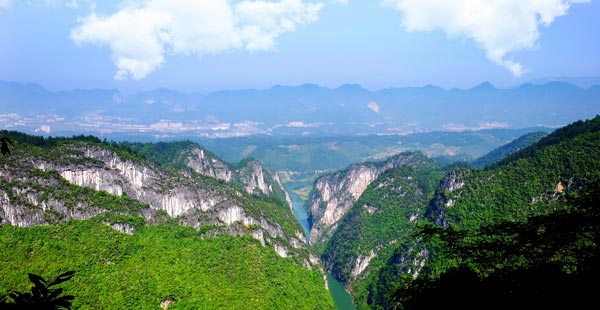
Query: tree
{"points": [[4, 142], [43, 295]]}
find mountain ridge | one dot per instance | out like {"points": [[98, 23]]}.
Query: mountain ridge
{"points": [[87, 166], [295, 110], [529, 183]]}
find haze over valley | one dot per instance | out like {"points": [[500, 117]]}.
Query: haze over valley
{"points": [[303, 110]]}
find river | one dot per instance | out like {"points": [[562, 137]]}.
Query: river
{"points": [[341, 298]]}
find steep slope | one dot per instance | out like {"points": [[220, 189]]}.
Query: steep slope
{"points": [[38, 188], [507, 149], [249, 173], [379, 222], [333, 194], [533, 181], [505, 229], [119, 221], [158, 266]]}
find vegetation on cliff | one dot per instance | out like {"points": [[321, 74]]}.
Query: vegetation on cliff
{"points": [[169, 264], [523, 232]]}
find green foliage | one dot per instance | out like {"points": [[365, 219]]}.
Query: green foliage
{"points": [[565, 133], [505, 150], [172, 154], [314, 154], [523, 232], [159, 263], [516, 231], [534, 181], [380, 221], [43, 294], [4, 145], [546, 261], [60, 149]]}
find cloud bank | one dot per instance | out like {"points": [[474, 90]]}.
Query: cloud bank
{"points": [[140, 35], [500, 27]]}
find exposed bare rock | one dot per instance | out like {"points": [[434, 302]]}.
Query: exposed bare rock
{"points": [[208, 165], [28, 196], [362, 262], [445, 197], [334, 194], [250, 174]]}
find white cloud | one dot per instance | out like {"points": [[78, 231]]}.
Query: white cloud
{"points": [[342, 2], [501, 27], [5, 4], [140, 35]]}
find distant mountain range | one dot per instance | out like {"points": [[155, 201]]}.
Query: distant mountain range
{"points": [[581, 82], [293, 110]]}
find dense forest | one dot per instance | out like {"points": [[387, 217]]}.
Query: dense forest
{"points": [[523, 231], [520, 233], [507, 149], [382, 218], [128, 252], [157, 264]]}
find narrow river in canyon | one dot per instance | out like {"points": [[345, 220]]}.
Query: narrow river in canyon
{"points": [[341, 298]]}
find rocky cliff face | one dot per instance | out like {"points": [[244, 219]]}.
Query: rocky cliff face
{"points": [[445, 197], [334, 194], [178, 195], [208, 165], [79, 180], [375, 237], [250, 174], [255, 178]]}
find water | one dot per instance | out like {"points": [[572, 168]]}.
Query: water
{"points": [[341, 298], [298, 207]]}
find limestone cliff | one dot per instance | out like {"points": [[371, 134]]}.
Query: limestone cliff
{"points": [[334, 194], [249, 174], [445, 197], [208, 165], [81, 180], [378, 229]]}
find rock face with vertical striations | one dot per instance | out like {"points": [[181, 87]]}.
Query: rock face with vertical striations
{"points": [[85, 178], [379, 225], [334, 194], [249, 174]]}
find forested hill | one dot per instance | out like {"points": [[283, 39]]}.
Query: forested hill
{"points": [[140, 234], [523, 232], [533, 181], [507, 149]]}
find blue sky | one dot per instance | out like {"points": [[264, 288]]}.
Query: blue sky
{"points": [[218, 44]]}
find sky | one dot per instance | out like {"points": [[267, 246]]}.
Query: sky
{"points": [[209, 45]]}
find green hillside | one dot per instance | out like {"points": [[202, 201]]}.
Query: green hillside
{"points": [[131, 254], [378, 222], [534, 181], [521, 233], [500, 153], [156, 264]]}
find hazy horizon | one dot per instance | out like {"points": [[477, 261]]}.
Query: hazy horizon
{"points": [[583, 83]]}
